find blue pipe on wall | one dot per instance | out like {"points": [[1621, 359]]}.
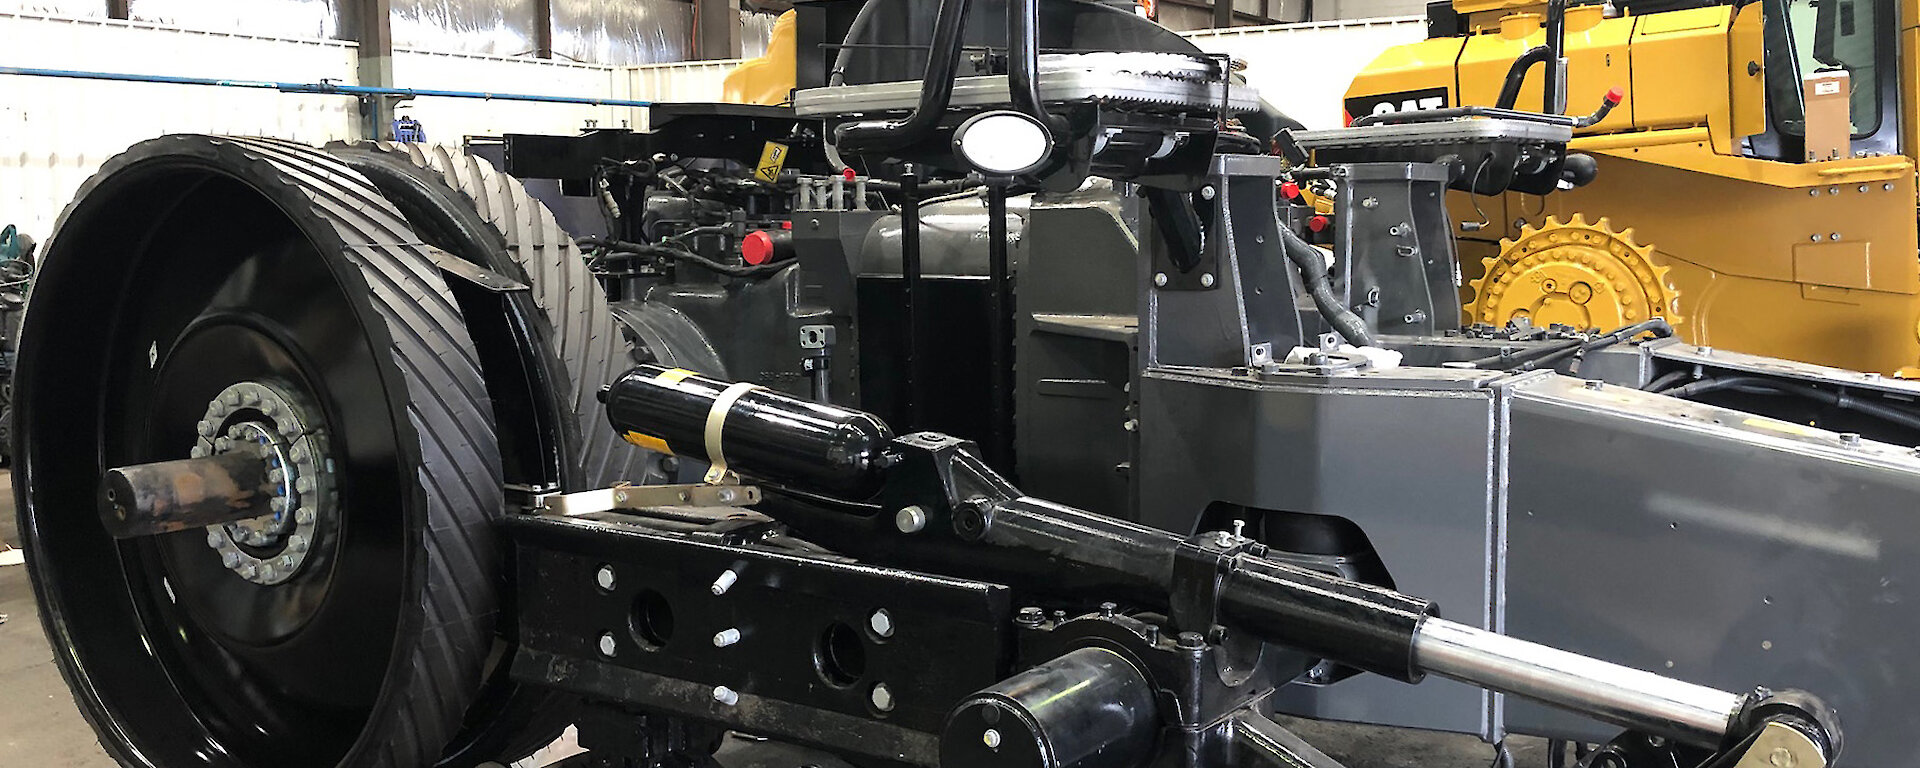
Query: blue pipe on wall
{"points": [[320, 87]]}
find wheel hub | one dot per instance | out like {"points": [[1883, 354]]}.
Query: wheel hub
{"points": [[273, 548]]}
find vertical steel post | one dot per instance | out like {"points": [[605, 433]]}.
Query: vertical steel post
{"points": [[375, 66], [916, 294], [999, 330]]}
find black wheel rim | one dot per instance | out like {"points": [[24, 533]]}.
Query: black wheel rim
{"points": [[175, 276]]}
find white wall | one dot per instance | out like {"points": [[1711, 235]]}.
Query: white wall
{"points": [[55, 132], [1304, 69]]}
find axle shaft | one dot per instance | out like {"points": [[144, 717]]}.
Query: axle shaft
{"points": [[169, 496]]}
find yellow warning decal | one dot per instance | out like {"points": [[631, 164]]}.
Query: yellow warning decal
{"points": [[772, 159], [674, 376], [649, 442]]}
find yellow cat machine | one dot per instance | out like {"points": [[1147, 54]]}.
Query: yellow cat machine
{"points": [[1755, 184]]}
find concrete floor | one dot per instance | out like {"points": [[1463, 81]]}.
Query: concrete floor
{"points": [[40, 726]]}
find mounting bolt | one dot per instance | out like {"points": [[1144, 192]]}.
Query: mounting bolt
{"points": [[1780, 757], [881, 623], [725, 695], [882, 697], [1107, 610], [1850, 439], [991, 738], [726, 637], [724, 582], [1594, 384], [604, 578], [910, 519], [297, 543], [1032, 617], [1207, 192], [1191, 641], [1706, 351], [1160, 279], [608, 646], [1206, 279], [728, 495]]}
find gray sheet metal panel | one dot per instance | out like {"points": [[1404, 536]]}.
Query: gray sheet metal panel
{"points": [[498, 27], [1740, 551], [1075, 363], [623, 32], [323, 19], [1407, 457]]}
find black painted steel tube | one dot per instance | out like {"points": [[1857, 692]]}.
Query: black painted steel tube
{"points": [[936, 92], [1023, 64], [169, 496]]}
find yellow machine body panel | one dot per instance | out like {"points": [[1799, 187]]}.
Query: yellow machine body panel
{"points": [[1804, 261], [768, 79]]}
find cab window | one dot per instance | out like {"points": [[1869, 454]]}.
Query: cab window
{"points": [[1805, 37]]}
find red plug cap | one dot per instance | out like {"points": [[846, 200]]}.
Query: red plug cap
{"points": [[1290, 190], [756, 248], [1616, 95], [786, 225], [847, 174], [1318, 223]]}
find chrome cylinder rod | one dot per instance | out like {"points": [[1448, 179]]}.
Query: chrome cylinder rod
{"points": [[1623, 696]]}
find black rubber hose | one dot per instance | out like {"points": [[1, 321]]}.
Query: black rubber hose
{"points": [[854, 30], [936, 92], [682, 255], [1544, 356], [1754, 385], [1313, 270], [1517, 75]]}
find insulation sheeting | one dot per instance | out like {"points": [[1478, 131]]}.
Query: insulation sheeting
{"points": [[308, 19], [623, 32], [498, 27]]}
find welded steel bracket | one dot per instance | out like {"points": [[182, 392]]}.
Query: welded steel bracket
{"points": [[455, 266], [624, 497]]}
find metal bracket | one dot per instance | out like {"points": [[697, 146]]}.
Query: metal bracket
{"points": [[455, 266], [622, 497]]}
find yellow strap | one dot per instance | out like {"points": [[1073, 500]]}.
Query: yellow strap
{"points": [[716, 423], [673, 376]]}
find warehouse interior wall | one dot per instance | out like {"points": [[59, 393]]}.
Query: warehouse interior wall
{"points": [[54, 133]]}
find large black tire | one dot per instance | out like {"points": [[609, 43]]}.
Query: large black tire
{"points": [[572, 308], [556, 354], [419, 474]]}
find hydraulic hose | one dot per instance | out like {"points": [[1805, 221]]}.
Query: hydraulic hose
{"points": [[682, 255], [936, 92], [1313, 270], [1517, 75], [854, 30], [1755, 385], [1547, 356]]}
